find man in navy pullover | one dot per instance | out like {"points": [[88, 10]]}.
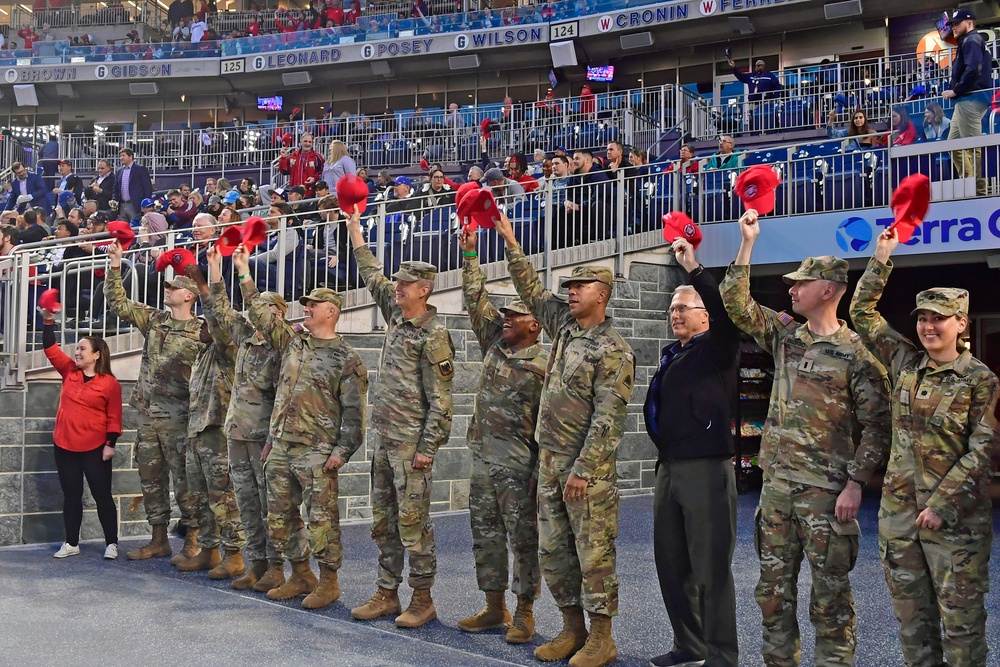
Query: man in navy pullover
{"points": [[971, 81]]}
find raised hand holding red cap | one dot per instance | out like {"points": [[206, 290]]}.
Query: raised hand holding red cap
{"points": [[677, 225], [910, 201], [755, 187], [352, 194], [49, 300]]}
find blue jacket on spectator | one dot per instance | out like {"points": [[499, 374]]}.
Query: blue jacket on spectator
{"points": [[759, 85], [972, 69], [35, 187]]}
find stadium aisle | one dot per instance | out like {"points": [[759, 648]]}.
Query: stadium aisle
{"points": [[89, 612]]}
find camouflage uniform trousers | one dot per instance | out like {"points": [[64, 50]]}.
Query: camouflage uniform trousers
{"points": [[212, 491], [576, 540], [247, 472], [295, 474], [500, 507], [934, 583], [401, 506], [159, 452], [793, 519]]}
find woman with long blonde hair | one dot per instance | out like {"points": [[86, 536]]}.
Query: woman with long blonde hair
{"points": [[338, 163]]}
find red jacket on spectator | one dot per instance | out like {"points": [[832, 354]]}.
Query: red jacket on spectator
{"points": [[29, 36], [352, 14], [907, 136], [529, 183], [88, 411], [302, 168], [588, 102], [335, 14], [254, 28]]}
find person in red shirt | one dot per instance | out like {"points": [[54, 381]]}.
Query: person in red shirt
{"points": [[517, 167], [588, 102], [253, 29], [88, 423], [303, 167], [903, 129], [29, 36]]}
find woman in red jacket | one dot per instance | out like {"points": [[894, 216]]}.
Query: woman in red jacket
{"points": [[88, 423]]}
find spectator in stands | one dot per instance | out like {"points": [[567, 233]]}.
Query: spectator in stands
{"points": [[264, 260], [971, 81], [935, 122], [132, 185], [727, 157], [860, 132], [616, 157], [304, 166], [538, 157], [903, 129], [153, 220], [505, 191], [475, 173], [517, 167], [339, 162], [761, 84], [453, 119], [401, 198], [68, 181], [181, 33], [181, 212], [229, 216], [29, 230], [102, 188], [175, 12], [436, 192], [592, 196], [322, 189], [248, 187], [588, 103], [29, 36], [26, 188], [363, 175], [545, 179], [198, 28], [48, 159], [686, 164]]}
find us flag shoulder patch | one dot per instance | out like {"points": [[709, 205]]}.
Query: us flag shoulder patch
{"points": [[785, 319]]}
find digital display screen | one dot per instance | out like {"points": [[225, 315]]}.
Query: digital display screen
{"points": [[553, 79], [605, 73], [270, 103]]}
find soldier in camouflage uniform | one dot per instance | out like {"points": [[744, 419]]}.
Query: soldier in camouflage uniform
{"points": [[580, 423], [207, 460], [161, 397], [412, 419], [826, 384], [936, 519], [504, 453], [317, 424], [247, 423]]}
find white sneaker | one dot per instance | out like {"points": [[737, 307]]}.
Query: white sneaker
{"points": [[66, 550], [111, 552]]}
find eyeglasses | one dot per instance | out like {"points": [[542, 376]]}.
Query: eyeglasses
{"points": [[681, 309]]}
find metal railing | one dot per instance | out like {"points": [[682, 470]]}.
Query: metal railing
{"points": [[810, 93], [560, 223], [89, 14]]}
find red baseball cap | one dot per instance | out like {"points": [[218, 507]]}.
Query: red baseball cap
{"points": [[178, 258], [227, 243], [756, 187], [49, 300], [487, 127], [910, 201], [460, 194], [122, 232], [677, 225], [254, 232], [352, 192], [481, 207]]}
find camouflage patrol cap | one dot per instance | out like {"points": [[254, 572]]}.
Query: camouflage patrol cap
{"points": [[410, 271], [944, 301], [587, 274], [516, 308], [182, 282], [274, 299], [323, 294], [826, 267]]}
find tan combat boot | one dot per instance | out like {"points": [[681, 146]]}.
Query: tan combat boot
{"points": [[190, 548], [232, 565], [158, 547], [523, 628], [570, 640], [327, 592], [385, 602], [600, 647], [420, 612], [251, 576], [494, 615], [302, 582], [274, 577], [205, 560]]}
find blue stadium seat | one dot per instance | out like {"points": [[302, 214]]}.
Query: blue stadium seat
{"points": [[796, 113]]}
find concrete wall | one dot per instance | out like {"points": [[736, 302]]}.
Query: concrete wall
{"points": [[31, 500]]}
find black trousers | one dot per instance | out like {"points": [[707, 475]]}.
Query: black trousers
{"points": [[694, 536], [72, 468]]}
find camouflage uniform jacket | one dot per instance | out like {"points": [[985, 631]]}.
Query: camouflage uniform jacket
{"points": [[169, 351], [502, 429], [944, 428], [212, 382], [412, 401], [825, 388], [249, 414], [589, 379], [322, 387]]}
